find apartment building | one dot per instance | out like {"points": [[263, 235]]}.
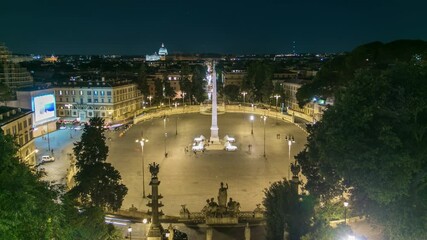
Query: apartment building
{"points": [[112, 100], [18, 123]]}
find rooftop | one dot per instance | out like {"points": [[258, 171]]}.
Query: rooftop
{"points": [[9, 114]]}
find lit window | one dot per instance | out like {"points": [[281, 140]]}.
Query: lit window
{"points": [[60, 92]]}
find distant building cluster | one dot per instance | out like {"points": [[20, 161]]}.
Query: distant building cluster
{"points": [[32, 108], [161, 56]]}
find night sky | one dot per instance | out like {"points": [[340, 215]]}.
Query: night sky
{"points": [[135, 27]]}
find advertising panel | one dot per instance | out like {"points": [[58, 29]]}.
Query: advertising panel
{"points": [[44, 107]]}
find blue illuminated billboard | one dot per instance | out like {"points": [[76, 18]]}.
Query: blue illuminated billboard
{"points": [[44, 107]]}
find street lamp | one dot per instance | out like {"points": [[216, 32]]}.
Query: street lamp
{"points": [[290, 140], [166, 134], [277, 98], [149, 98], [252, 124], [244, 95], [183, 98], [264, 118], [142, 142], [345, 212], [130, 232]]}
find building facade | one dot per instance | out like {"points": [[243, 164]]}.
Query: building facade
{"points": [[17, 122], [11, 73], [111, 100], [233, 77]]}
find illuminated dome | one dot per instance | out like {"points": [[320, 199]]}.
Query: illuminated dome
{"points": [[163, 51]]}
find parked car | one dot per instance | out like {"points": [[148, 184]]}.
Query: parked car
{"points": [[47, 158]]}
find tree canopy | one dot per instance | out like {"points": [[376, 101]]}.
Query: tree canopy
{"points": [[373, 142], [98, 183], [337, 73]]}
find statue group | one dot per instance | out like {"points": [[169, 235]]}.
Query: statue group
{"points": [[222, 208]]}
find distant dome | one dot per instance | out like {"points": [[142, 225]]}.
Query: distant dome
{"points": [[163, 51]]}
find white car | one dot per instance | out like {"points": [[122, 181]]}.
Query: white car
{"points": [[229, 139], [47, 159]]}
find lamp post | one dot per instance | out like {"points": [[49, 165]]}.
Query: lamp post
{"points": [[264, 118], [166, 134], [130, 232], [244, 95], [345, 212], [252, 124], [277, 98], [149, 98], [183, 98], [142, 142], [290, 140]]}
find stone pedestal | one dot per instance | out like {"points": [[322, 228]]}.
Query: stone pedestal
{"points": [[221, 220]]}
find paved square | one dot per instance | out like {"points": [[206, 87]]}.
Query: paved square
{"points": [[190, 179]]}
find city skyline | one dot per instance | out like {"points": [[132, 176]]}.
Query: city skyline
{"points": [[238, 27]]}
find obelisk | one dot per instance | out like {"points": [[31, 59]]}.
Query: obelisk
{"points": [[214, 139]]}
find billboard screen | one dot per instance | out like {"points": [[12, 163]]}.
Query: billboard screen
{"points": [[44, 107]]}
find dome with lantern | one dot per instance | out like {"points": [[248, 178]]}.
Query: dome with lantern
{"points": [[163, 51]]}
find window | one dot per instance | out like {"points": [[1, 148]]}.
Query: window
{"points": [[89, 93], [108, 93], [60, 99], [29, 122], [95, 93], [73, 92], [74, 100], [60, 92], [81, 92], [102, 100], [95, 100], [81, 100], [109, 100], [89, 100], [26, 136], [25, 124], [8, 131], [66, 92], [102, 93]]}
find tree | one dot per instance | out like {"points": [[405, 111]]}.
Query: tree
{"points": [[184, 81], [98, 183], [373, 142], [337, 73], [198, 83], [258, 81], [232, 92], [286, 209], [169, 92], [158, 90], [142, 81]]}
